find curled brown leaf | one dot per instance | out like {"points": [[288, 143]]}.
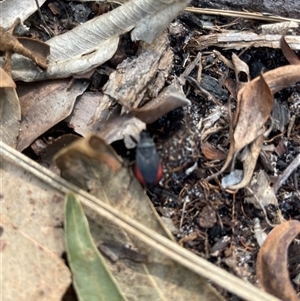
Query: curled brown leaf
{"points": [[9, 43], [211, 153], [169, 99], [271, 265], [289, 54]]}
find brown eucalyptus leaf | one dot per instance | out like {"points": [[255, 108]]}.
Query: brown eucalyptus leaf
{"points": [[212, 153], [272, 261], [289, 54], [168, 100], [11, 44], [122, 128], [281, 77], [93, 165], [90, 149], [39, 49], [249, 162], [242, 73], [44, 104], [255, 105], [32, 236], [10, 116], [5, 80]]}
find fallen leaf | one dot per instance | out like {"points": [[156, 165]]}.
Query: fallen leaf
{"points": [[11, 44], [252, 117], [289, 54], [92, 279], [255, 103], [33, 239], [170, 98], [212, 153], [5, 80], [249, 162], [43, 105], [272, 261], [13, 8], [263, 193], [242, 73], [10, 116], [30, 271]]}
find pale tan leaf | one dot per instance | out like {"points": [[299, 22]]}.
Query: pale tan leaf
{"points": [[16, 8], [5, 80], [44, 104], [10, 116], [33, 239]]}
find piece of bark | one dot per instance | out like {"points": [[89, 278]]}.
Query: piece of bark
{"points": [[285, 8]]}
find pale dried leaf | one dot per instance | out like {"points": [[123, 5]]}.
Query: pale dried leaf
{"points": [[5, 80], [170, 98], [255, 105], [16, 8], [30, 271], [33, 238], [249, 162], [263, 193], [44, 104], [10, 116]]}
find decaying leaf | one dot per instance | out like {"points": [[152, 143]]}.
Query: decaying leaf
{"points": [[28, 48], [263, 193], [92, 279], [43, 105], [170, 98], [272, 261], [32, 239], [96, 168], [255, 103], [12, 8], [289, 54], [99, 39], [249, 162], [242, 73], [212, 153], [10, 116], [5, 80]]}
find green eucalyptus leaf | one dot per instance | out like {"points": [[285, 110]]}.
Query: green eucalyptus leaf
{"points": [[91, 278]]}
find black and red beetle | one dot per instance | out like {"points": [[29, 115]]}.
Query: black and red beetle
{"points": [[148, 168]]}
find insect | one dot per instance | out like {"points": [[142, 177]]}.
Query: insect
{"points": [[148, 168]]}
